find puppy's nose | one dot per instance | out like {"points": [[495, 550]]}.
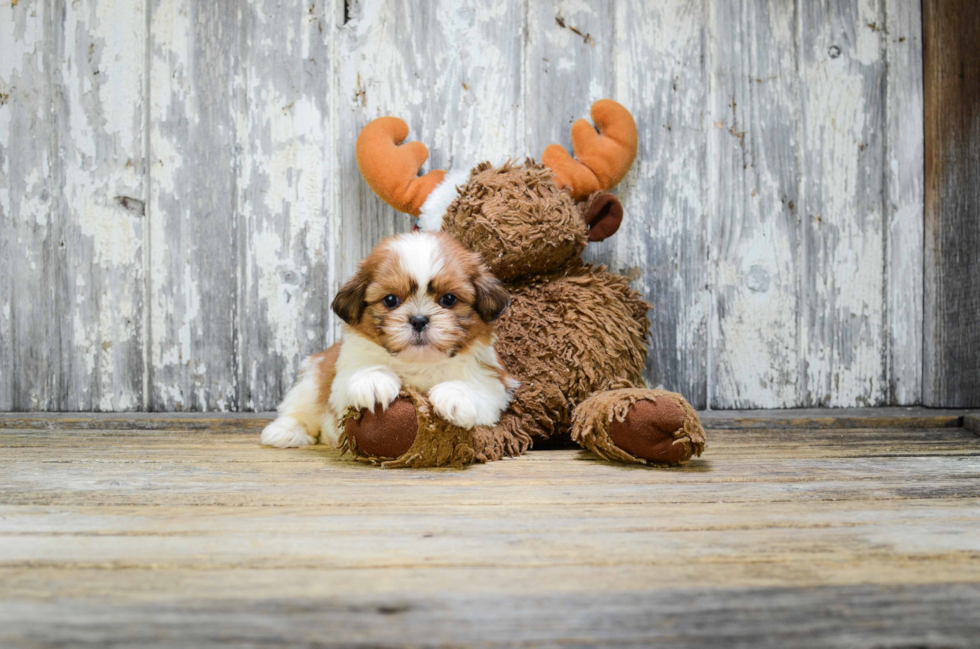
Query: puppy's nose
{"points": [[418, 322]]}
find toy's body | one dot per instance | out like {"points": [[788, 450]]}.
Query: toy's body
{"points": [[575, 335]]}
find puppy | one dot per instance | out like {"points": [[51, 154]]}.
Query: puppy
{"points": [[420, 313]]}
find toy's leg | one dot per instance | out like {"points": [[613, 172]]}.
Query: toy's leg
{"points": [[639, 425], [383, 433], [410, 434]]}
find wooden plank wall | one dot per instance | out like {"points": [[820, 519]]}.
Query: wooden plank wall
{"points": [[179, 198], [952, 198]]}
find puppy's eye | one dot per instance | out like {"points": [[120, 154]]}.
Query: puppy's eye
{"points": [[391, 301], [448, 300]]}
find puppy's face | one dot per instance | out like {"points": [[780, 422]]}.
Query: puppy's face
{"points": [[423, 297]]}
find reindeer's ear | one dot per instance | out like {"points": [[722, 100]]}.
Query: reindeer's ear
{"points": [[349, 303], [491, 297], [603, 213]]}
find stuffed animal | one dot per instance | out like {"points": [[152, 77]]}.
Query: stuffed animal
{"points": [[575, 335]]}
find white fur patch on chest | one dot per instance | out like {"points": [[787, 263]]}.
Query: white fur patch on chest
{"points": [[470, 365]]}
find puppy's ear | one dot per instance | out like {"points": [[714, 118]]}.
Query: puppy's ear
{"points": [[349, 303], [491, 296]]}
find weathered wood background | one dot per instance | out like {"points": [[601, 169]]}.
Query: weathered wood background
{"points": [[951, 319], [179, 199]]}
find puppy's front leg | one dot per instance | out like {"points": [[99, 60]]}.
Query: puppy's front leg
{"points": [[469, 404], [365, 388], [298, 421]]}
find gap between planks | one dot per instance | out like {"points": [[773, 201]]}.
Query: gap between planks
{"points": [[808, 418]]}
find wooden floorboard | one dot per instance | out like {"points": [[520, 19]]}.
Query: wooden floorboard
{"points": [[185, 532], [972, 423], [896, 417]]}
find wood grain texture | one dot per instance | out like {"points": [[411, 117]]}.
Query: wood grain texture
{"points": [[287, 181], [786, 536], [30, 207], [842, 283], [240, 421], [660, 67], [101, 126], [773, 216], [71, 208], [972, 423], [754, 205], [904, 200], [837, 418], [952, 180], [451, 71], [850, 616], [196, 87]]}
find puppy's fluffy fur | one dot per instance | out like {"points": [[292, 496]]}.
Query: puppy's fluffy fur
{"points": [[419, 312]]}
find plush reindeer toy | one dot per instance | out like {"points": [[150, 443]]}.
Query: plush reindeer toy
{"points": [[575, 335]]}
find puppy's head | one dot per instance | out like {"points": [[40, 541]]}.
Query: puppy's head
{"points": [[422, 297]]}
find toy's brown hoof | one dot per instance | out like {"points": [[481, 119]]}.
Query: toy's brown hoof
{"points": [[639, 425], [648, 431], [384, 433]]}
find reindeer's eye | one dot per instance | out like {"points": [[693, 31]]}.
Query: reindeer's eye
{"points": [[448, 300], [391, 301]]}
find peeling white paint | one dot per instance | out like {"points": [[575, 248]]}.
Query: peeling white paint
{"points": [[36, 200], [753, 206], [114, 234], [275, 296], [844, 317], [904, 206], [104, 47], [711, 242]]}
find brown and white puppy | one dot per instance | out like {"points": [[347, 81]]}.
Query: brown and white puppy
{"points": [[420, 312]]}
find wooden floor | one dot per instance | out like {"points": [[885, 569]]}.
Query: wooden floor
{"points": [[796, 529]]}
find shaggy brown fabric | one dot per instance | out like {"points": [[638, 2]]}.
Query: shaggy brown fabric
{"points": [[575, 336], [566, 336], [518, 219], [639, 425], [572, 328], [436, 442]]}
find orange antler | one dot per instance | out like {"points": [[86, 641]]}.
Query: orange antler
{"points": [[391, 168], [601, 158]]}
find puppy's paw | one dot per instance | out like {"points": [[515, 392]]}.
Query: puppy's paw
{"points": [[286, 432], [454, 401], [368, 388]]}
